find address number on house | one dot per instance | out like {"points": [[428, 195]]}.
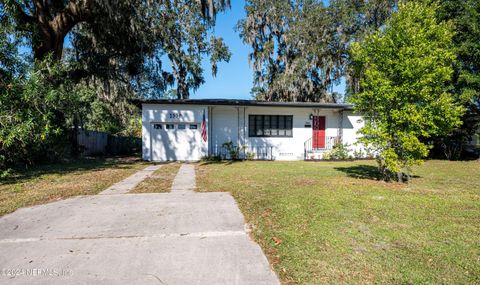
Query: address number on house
{"points": [[175, 115]]}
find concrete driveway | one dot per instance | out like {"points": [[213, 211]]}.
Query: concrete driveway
{"points": [[170, 238]]}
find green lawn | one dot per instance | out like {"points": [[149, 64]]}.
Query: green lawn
{"points": [[333, 223], [52, 182], [161, 180]]}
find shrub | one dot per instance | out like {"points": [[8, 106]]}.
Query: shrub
{"points": [[358, 154], [339, 152], [250, 156], [212, 158], [232, 150], [405, 70]]}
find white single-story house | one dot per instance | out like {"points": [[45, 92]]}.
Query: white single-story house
{"points": [[189, 130]]}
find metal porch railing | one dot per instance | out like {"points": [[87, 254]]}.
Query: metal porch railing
{"points": [[330, 142], [258, 152]]}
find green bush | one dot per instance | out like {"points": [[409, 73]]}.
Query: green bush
{"points": [[37, 112], [358, 154], [338, 152], [250, 156], [212, 158], [232, 150]]}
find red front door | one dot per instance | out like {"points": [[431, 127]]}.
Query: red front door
{"points": [[318, 136]]}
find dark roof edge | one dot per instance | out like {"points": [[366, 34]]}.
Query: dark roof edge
{"points": [[235, 102]]}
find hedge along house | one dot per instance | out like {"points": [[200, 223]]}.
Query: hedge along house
{"points": [[188, 130]]}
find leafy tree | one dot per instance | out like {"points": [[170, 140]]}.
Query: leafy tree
{"points": [[167, 31], [300, 47], [115, 53], [465, 14], [405, 69], [35, 115], [122, 42], [11, 63], [49, 22], [184, 37]]}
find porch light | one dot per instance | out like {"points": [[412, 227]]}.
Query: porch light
{"points": [[310, 117]]}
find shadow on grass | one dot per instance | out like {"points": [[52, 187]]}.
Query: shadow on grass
{"points": [[221, 162], [232, 161], [365, 172], [81, 164], [361, 171]]}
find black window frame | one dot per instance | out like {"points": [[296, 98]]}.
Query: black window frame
{"points": [[270, 126]]}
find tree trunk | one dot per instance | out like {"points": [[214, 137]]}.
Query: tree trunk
{"points": [[182, 88], [400, 176], [180, 75], [49, 24], [48, 42]]}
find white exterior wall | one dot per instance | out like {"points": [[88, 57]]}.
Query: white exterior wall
{"points": [[165, 145], [224, 126], [230, 123], [352, 123]]}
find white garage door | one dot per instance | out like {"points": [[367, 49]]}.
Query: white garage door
{"points": [[176, 141]]}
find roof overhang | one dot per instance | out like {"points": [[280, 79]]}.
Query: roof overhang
{"points": [[235, 102]]}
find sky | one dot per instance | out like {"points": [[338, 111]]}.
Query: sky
{"points": [[234, 79]]}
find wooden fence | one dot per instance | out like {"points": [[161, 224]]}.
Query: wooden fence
{"points": [[99, 143]]}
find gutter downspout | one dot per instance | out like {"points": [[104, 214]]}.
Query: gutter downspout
{"points": [[244, 129], [238, 128], [210, 130], [340, 129], [244, 125]]}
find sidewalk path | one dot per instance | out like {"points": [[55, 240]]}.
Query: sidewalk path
{"points": [[130, 182], [185, 179], [182, 237]]}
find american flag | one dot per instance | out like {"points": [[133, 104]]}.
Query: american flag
{"points": [[204, 128]]}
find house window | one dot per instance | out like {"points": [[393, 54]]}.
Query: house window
{"points": [[169, 126], [270, 126], [181, 126], [157, 126], [193, 127]]}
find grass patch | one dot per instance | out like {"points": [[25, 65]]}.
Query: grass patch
{"points": [[47, 183], [332, 222], [160, 181]]}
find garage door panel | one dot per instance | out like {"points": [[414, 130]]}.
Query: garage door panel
{"points": [[176, 144], [158, 150]]}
